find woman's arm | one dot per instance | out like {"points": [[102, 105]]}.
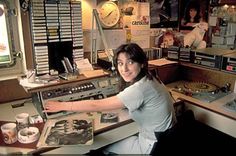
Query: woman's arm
{"points": [[84, 105]]}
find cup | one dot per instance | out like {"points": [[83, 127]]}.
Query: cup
{"points": [[22, 120], [30, 75], [9, 133]]}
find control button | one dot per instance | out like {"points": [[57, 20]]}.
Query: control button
{"points": [[49, 94]]}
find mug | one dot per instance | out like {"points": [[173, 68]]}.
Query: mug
{"points": [[22, 120], [30, 75], [9, 133]]}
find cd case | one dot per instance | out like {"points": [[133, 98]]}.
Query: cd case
{"points": [[64, 132]]}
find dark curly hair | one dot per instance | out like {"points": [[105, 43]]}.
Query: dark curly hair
{"points": [[192, 5], [136, 54]]}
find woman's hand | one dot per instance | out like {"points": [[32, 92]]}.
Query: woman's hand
{"points": [[55, 106]]}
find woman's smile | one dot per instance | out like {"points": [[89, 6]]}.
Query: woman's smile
{"points": [[127, 68]]}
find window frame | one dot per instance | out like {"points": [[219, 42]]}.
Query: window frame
{"points": [[17, 66], [10, 44]]}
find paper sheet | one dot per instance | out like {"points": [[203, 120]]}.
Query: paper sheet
{"points": [[84, 65], [161, 62], [24, 82], [93, 73]]}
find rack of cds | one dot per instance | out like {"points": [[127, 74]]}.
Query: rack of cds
{"points": [[56, 28]]}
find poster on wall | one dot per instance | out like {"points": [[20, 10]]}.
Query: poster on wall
{"points": [[164, 13], [192, 12], [141, 37], [140, 26], [128, 10]]}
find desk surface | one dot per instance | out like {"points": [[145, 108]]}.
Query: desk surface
{"points": [[100, 140], [105, 133], [36, 87], [215, 106]]}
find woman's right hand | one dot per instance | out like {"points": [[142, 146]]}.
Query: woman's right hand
{"points": [[54, 106]]}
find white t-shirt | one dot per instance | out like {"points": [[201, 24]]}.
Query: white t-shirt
{"points": [[150, 106]]}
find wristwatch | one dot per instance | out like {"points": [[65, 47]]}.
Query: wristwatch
{"points": [[108, 13]]}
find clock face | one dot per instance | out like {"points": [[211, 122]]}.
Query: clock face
{"points": [[109, 14]]}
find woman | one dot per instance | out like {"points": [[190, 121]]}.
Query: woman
{"points": [[146, 98], [169, 39], [192, 14]]}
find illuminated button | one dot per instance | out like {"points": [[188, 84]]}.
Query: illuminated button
{"points": [[49, 94], [230, 68]]}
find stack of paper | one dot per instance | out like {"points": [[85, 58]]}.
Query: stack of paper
{"points": [[84, 65]]}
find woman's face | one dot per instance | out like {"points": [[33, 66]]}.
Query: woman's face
{"points": [[193, 12], [127, 68], [168, 40]]}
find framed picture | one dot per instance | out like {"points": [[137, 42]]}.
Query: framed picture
{"points": [[192, 12], [164, 13]]}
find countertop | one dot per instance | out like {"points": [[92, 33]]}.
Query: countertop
{"points": [[105, 133], [215, 106]]}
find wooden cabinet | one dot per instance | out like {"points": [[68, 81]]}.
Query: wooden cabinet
{"points": [[192, 72], [167, 73], [226, 2], [222, 2]]}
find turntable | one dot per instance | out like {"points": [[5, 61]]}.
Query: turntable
{"points": [[202, 91]]}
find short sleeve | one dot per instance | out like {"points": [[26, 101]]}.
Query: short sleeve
{"points": [[131, 97]]}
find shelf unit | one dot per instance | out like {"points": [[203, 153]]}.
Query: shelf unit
{"points": [[56, 28]]}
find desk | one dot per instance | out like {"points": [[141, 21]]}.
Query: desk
{"points": [[102, 84], [94, 84], [81, 77], [213, 113], [166, 70], [100, 140], [105, 134]]}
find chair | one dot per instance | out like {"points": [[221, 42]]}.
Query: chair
{"points": [[190, 136]]}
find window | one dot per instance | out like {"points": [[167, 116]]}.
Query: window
{"points": [[11, 57]]}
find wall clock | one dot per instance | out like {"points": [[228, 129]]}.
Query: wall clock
{"points": [[108, 13]]}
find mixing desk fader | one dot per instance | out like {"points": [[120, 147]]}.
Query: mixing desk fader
{"points": [[96, 88]]}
